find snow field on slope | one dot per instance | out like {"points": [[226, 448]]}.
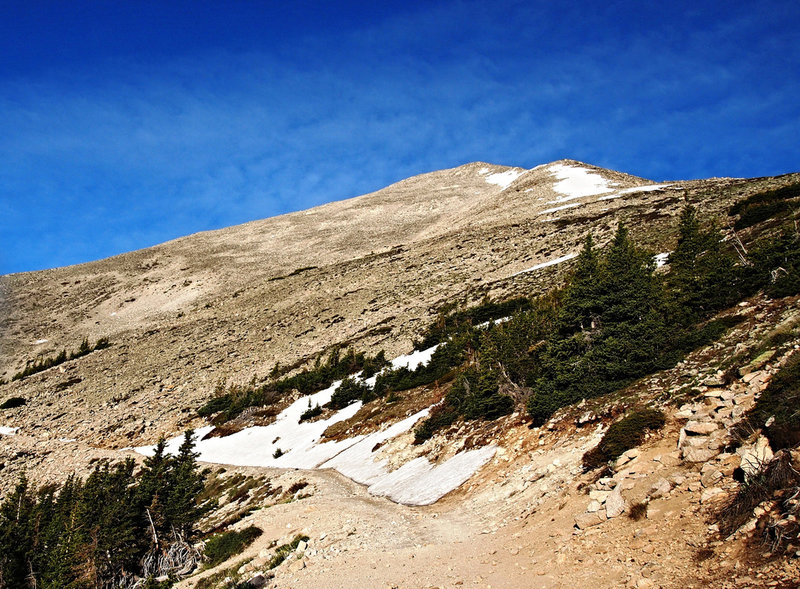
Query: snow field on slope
{"points": [[633, 190], [8, 431], [422, 483], [504, 179], [546, 264], [577, 182]]}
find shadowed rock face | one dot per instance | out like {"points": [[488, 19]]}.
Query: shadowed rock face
{"points": [[369, 271]]}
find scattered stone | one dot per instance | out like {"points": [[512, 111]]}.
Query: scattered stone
{"points": [[599, 496], [594, 506], [756, 364], [755, 456]]}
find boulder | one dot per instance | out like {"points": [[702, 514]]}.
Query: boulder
{"points": [[660, 488], [615, 504], [257, 581], [694, 454], [587, 520], [755, 456]]}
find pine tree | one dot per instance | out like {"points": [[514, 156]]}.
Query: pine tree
{"points": [[186, 482], [16, 536], [702, 276], [580, 308]]}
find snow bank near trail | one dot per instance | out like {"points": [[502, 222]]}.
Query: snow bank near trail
{"points": [[301, 447], [421, 483], [8, 431]]}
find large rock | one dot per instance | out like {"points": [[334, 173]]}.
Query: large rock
{"points": [[257, 581], [660, 488], [755, 456], [587, 520], [700, 428], [615, 504], [693, 454]]}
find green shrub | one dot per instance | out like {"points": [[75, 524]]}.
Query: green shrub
{"points": [[440, 417], [221, 547], [311, 413], [42, 363], [283, 551], [779, 403], [764, 205], [445, 358], [13, 402], [623, 435], [450, 321], [348, 392]]}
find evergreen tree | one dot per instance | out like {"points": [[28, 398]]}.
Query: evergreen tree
{"points": [[154, 489], [702, 276], [185, 483], [580, 306], [16, 536]]}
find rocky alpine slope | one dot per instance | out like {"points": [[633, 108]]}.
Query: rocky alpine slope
{"points": [[371, 272]]}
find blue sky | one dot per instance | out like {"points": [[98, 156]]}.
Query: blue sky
{"points": [[125, 124]]}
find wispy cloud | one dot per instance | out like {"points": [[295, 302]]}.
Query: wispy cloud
{"points": [[111, 158]]}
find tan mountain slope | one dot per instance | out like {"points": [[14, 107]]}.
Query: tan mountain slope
{"points": [[369, 271]]}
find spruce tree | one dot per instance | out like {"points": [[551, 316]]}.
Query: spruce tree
{"points": [[186, 482]]}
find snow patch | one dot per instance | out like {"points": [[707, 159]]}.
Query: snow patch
{"points": [[504, 179], [486, 324], [561, 208], [577, 182], [414, 359], [661, 259], [546, 264], [634, 189], [8, 431], [40, 341], [648, 188]]}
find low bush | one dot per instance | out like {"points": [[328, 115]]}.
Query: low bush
{"points": [[283, 551], [444, 359], [223, 546], [311, 413], [778, 406], [13, 402], [349, 391], [42, 363], [450, 321], [638, 511], [440, 417], [764, 205], [772, 479], [623, 435]]}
